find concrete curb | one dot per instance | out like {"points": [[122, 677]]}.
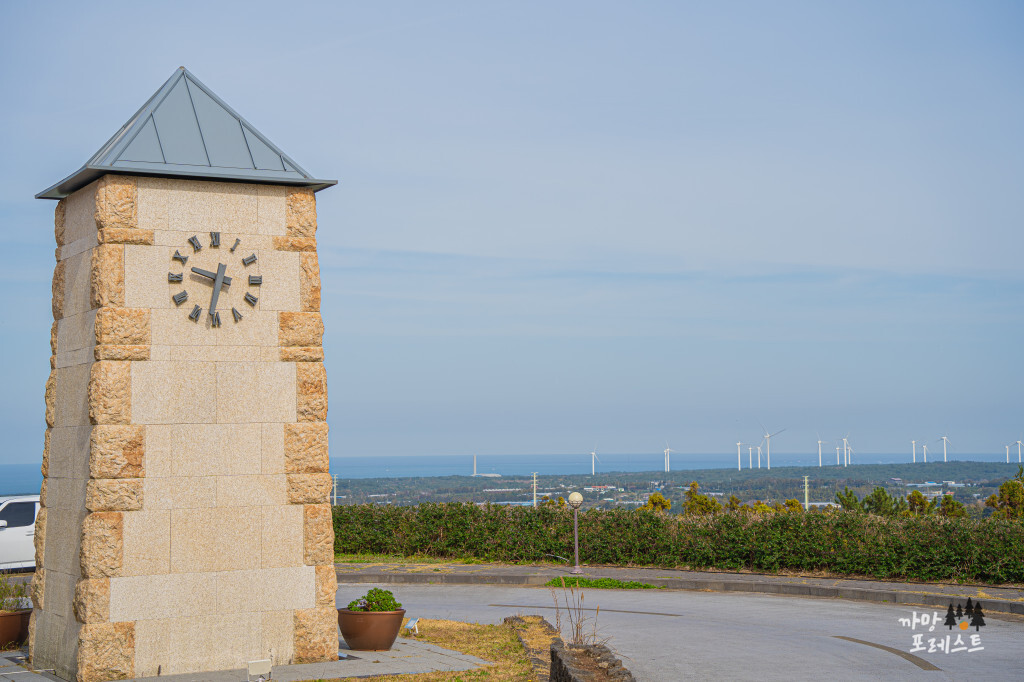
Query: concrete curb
{"points": [[696, 585]]}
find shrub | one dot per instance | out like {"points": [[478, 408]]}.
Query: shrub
{"points": [[375, 600]]}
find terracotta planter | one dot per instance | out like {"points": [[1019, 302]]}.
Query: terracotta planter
{"points": [[370, 630], [14, 626]]}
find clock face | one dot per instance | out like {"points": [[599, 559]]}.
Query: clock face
{"points": [[213, 278]]}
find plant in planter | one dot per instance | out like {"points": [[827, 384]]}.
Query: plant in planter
{"points": [[15, 610], [372, 622]]}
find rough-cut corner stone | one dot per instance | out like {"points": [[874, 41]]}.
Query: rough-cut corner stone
{"points": [[316, 635], [309, 282], [53, 338], [317, 535], [113, 494], [294, 244], [37, 588], [40, 537], [305, 448], [57, 289], [121, 352], [309, 488], [106, 651], [50, 397], [300, 329], [311, 392], [92, 600], [59, 214], [42, 495], [102, 544], [117, 451], [110, 393], [107, 276], [125, 235], [326, 585], [31, 633], [44, 468], [302, 354], [117, 202], [123, 326], [300, 212]]}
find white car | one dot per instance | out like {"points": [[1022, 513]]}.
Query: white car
{"points": [[17, 531]]}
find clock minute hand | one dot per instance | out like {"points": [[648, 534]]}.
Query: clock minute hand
{"points": [[218, 282], [211, 275]]}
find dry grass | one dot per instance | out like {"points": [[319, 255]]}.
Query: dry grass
{"points": [[495, 643]]}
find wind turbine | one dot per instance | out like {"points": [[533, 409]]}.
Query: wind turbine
{"points": [[739, 462], [819, 450], [768, 444], [593, 458], [474, 465], [914, 443], [758, 456], [1007, 454], [944, 441], [668, 451], [837, 455], [924, 449], [846, 450], [750, 457], [1018, 452]]}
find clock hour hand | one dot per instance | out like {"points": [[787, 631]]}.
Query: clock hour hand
{"points": [[212, 275]]}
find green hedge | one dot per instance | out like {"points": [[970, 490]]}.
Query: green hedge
{"points": [[925, 548]]}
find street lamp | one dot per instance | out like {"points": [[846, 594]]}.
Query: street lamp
{"points": [[575, 500]]}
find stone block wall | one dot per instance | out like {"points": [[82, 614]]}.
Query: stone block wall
{"points": [[185, 523]]}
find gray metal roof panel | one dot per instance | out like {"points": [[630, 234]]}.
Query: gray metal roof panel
{"points": [[185, 130]]}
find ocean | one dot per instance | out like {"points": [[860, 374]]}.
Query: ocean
{"points": [[24, 479]]}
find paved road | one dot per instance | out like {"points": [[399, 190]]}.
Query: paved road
{"points": [[672, 635]]}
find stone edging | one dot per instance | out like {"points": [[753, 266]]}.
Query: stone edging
{"points": [[564, 662]]}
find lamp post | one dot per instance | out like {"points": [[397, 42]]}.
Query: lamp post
{"points": [[575, 500]]}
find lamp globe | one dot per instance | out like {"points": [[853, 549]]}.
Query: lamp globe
{"points": [[575, 500]]}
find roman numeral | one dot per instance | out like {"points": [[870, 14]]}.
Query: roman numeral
{"points": [[255, 280], [249, 260], [235, 246], [194, 241], [214, 239], [180, 297], [215, 318], [194, 315], [250, 299], [173, 276], [237, 315], [177, 256]]}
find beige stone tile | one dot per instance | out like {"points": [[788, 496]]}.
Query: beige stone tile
{"points": [[272, 448], [281, 272], [256, 328], [153, 196], [189, 492], [214, 353], [69, 453], [278, 635], [147, 597], [78, 246], [239, 398], [196, 449], [76, 332], [173, 392], [160, 353], [78, 284], [153, 651], [194, 544], [277, 385], [287, 588], [145, 276], [196, 206], [282, 536], [159, 458], [147, 542], [248, 491], [65, 493], [78, 214], [236, 639], [271, 207], [237, 537], [171, 327], [72, 399], [241, 449], [76, 357]]}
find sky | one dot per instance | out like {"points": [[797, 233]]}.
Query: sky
{"points": [[576, 225]]}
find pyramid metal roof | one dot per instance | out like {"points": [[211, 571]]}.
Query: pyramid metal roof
{"points": [[186, 131]]}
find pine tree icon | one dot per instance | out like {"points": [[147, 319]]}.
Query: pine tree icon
{"points": [[978, 618], [950, 617], [959, 612], [969, 611]]}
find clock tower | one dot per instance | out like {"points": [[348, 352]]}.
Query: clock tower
{"points": [[185, 524]]}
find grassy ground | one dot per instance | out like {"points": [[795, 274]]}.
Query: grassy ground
{"points": [[495, 643]]}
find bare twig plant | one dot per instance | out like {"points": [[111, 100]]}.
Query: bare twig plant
{"points": [[579, 623]]}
